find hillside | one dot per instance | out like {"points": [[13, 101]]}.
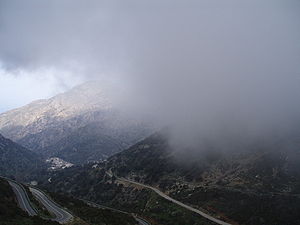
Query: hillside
{"points": [[11, 214], [51, 127], [31, 123], [17, 161], [99, 140], [258, 185], [265, 166]]}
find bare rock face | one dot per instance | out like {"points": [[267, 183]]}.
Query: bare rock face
{"points": [[48, 114], [43, 123]]}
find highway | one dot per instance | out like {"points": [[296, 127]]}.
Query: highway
{"points": [[61, 215], [197, 211], [22, 198]]}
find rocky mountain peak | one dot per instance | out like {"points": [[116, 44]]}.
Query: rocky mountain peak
{"points": [[81, 122]]}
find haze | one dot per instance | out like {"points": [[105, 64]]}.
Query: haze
{"points": [[205, 66]]}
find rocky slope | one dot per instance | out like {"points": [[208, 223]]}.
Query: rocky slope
{"points": [[98, 140], [257, 185], [63, 125], [264, 166], [38, 117]]}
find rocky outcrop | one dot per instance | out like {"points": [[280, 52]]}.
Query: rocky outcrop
{"points": [[80, 123]]}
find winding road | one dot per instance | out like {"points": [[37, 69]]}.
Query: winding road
{"points": [[61, 215], [141, 221], [22, 198], [138, 219], [197, 211]]}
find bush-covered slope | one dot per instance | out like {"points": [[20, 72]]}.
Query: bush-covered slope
{"points": [[11, 214], [257, 185], [96, 141], [17, 161]]}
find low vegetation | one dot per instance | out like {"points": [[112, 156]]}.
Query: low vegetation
{"points": [[90, 215], [41, 209], [98, 187], [11, 214], [248, 187]]}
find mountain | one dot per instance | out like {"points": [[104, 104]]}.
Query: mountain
{"points": [[17, 161], [40, 122], [262, 165], [78, 125], [253, 183], [97, 141]]}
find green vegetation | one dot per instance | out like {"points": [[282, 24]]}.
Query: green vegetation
{"points": [[92, 215], [246, 207], [11, 214], [42, 211], [167, 213], [129, 198], [248, 187], [18, 162]]}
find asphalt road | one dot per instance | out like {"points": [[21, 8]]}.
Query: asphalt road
{"points": [[22, 198], [141, 221], [205, 215], [61, 215], [138, 219]]}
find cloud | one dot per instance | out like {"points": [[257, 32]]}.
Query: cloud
{"points": [[203, 65], [21, 87]]}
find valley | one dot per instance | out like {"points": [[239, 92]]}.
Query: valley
{"points": [[108, 168], [127, 180], [138, 112]]}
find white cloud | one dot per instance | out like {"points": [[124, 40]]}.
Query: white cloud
{"points": [[21, 87]]}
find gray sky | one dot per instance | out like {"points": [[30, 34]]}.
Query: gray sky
{"points": [[198, 62]]}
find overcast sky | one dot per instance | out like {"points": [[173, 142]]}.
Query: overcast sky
{"points": [[204, 60]]}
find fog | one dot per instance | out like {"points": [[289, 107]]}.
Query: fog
{"points": [[208, 69]]}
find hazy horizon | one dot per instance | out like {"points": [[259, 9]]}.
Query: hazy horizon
{"points": [[199, 64]]}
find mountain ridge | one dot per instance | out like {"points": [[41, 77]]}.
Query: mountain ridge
{"points": [[59, 126]]}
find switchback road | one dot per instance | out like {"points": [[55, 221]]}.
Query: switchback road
{"points": [[61, 215], [22, 198]]}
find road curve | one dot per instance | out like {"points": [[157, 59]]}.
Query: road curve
{"points": [[205, 215], [22, 198], [141, 221], [61, 215], [138, 219]]}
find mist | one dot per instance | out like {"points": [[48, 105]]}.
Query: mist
{"points": [[209, 69]]}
